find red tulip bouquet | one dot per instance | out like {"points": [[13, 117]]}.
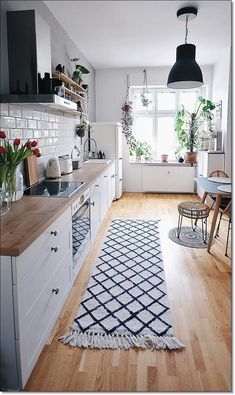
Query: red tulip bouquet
{"points": [[11, 154]]}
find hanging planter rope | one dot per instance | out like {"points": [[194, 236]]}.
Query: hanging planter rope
{"points": [[144, 94], [127, 118]]}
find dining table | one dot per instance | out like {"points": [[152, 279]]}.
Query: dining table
{"points": [[220, 190]]}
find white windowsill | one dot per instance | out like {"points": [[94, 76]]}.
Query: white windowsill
{"points": [[158, 163]]}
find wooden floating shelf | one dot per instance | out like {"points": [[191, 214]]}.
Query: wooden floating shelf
{"points": [[74, 95], [69, 81]]}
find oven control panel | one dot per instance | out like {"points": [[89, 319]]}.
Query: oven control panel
{"points": [[79, 202]]}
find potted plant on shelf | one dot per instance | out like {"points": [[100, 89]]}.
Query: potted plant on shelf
{"points": [[189, 128], [79, 71]]}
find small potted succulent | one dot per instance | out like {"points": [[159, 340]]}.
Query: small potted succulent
{"points": [[81, 129], [79, 71]]}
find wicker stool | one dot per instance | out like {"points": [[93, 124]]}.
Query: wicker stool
{"points": [[194, 211]]}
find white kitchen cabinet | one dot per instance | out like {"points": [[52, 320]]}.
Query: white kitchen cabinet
{"points": [[35, 284], [111, 185], [207, 163], [95, 209], [168, 179], [103, 195], [39, 281]]}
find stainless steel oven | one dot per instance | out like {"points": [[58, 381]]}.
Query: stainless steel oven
{"points": [[81, 229]]}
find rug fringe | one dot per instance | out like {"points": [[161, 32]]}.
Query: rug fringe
{"points": [[100, 340]]}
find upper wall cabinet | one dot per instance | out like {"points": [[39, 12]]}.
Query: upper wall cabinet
{"points": [[29, 57]]}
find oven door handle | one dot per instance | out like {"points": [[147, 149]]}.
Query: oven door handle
{"points": [[82, 209]]}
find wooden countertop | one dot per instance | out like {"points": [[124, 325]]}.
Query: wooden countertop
{"points": [[30, 216]]}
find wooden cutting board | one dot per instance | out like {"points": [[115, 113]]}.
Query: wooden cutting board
{"points": [[31, 170]]}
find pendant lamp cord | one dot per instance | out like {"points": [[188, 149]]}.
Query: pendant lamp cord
{"points": [[145, 80], [186, 29], [127, 87]]}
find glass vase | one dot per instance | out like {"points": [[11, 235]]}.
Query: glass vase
{"points": [[4, 201], [13, 184]]}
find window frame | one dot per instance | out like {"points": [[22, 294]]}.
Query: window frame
{"points": [[155, 113]]}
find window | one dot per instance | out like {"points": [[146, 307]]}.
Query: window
{"points": [[155, 123]]}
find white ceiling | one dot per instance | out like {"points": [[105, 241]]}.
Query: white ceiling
{"points": [[142, 33]]}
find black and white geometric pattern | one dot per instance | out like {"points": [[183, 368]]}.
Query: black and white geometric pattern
{"points": [[126, 295], [80, 229]]}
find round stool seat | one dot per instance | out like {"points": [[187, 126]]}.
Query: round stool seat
{"points": [[195, 210]]}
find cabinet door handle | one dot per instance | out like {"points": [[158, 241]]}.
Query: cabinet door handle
{"points": [[55, 249], [113, 176], [168, 172], [120, 158], [120, 179], [54, 232], [96, 185], [92, 204], [105, 176], [55, 290]]}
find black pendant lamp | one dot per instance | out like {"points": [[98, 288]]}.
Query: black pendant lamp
{"points": [[186, 73]]}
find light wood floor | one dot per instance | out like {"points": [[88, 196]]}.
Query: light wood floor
{"points": [[199, 290]]}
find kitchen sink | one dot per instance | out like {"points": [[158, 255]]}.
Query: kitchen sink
{"points": [[105, 161]]}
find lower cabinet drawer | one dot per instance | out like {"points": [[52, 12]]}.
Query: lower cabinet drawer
{"points": [[33, 332], [42, 249], [43, 264]]}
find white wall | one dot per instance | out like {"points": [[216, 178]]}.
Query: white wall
{"points": [[110, 86], [221, 90]]}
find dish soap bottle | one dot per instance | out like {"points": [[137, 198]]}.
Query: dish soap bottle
{"points": [[76, 158]]}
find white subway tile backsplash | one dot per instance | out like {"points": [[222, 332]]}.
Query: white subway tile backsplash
{"points": [[41, 142], [37, 115], [48, 125], [15, 133], [27, 113], [37, 134], [14, 111], [4, 109], [21, 123], [45, 133], [49, 141], [8, 122], [55, 125], [45, 150], [52, 149], [51, 118], [45, 116], [27, 133], [54, 133], [41, 124], [32, 124]]}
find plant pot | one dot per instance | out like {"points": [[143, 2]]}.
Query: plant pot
{"points": [[138, 158], [164, 158], [191, 157]]}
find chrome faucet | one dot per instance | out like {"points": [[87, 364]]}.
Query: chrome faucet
{"points": [[85, 157]]}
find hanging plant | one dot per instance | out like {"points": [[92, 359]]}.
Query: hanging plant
{"points": [[144, 94], [127, 118]]}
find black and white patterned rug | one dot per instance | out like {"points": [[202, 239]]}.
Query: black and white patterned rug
{"points": [[125, 304]]}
